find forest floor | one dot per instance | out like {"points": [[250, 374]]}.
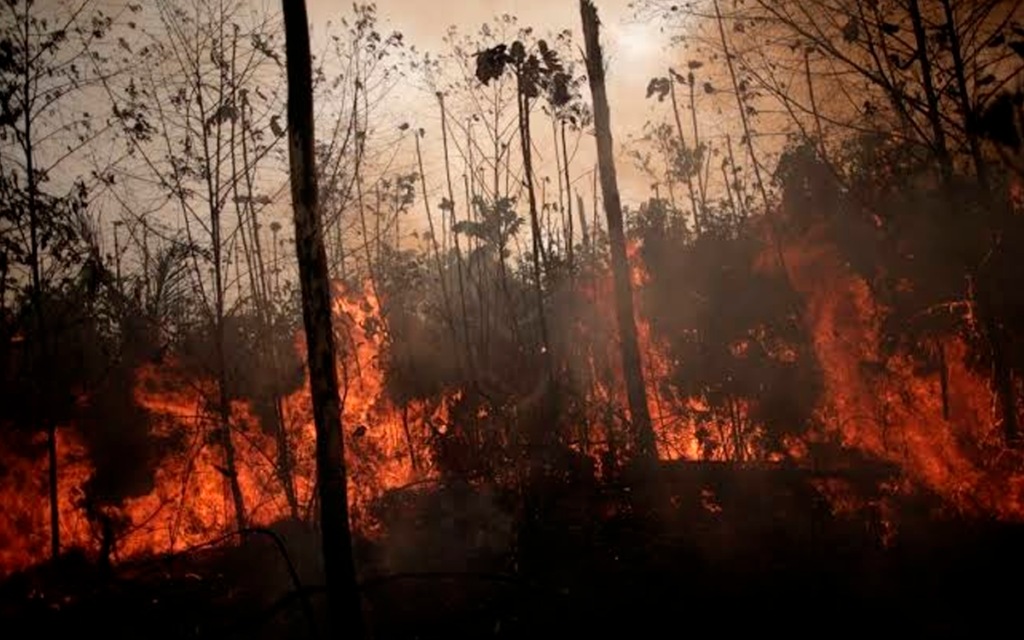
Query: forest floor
{"points": [[711, 548]]}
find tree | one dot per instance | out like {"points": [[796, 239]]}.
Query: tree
{"points": [[201, 131], [336, 538], [900, 88], [643, 432], [535, 72], [46, 60]]}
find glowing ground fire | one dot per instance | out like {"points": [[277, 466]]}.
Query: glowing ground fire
{"points": [[893, 415]]}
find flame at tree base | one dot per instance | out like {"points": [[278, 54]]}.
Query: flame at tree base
{"points": [[190, 501], [877, 404]]}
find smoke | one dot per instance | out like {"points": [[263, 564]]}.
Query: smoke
{"points": [[452, 526]]}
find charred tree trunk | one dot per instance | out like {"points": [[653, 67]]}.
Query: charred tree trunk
{"points": [[643, 432], [339, 565], [224, 420], [213, 158], [1002, 373], [448, 316], [39, 348], [453, 221], [581, 212], [571, 240], [3, 285], [223, 393], [934, 113], [535, 228], [749, 139], [697, 216], [980, 167]]}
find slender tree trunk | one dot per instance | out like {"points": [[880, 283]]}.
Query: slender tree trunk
{"points": [[284, 457], [223, 393], [342, 588], [734, 177], [40, 351], [558, 175], [3, 286], [41, 362], [702, 190], [814, 106], [538, 242], [780, 256], [934, 113], [741, 107], [240, 204], [223, 398], [998, 337], [367, 252], [224, 416], [254, 224], [377, 238], [596, 227], [212, 179], [732, 201], [980, 167], [584, 232], [697, 215], [455, 241], [258, 281], [446, 299], [568, 204], [643, 432], [1002, 374]]}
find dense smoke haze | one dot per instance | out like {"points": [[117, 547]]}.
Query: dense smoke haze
{"points": [[510, 318]]}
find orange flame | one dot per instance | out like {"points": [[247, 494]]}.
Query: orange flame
{"points": [[190, 502]]}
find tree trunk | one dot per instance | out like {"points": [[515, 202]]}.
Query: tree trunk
{"points": [[339, 565], [581, 212], [643, 432], [980, 167], [449, 316], [223, 393], [455, 241], [571, 240], [538, 243], [697, 215], [1003, 378], [39, 348], [934, 113], [213, 160]]}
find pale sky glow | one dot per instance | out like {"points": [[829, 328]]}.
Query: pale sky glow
{"points": [[635, 53], [636, 43]]}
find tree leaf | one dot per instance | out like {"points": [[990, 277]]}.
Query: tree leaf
{"points": [[659, 87], [490, 63]]}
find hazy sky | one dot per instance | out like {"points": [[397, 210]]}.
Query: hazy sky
{"points": [[635, 52]]}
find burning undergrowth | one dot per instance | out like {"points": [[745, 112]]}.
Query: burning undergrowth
{"points": [[766, 348], [169, 490]]}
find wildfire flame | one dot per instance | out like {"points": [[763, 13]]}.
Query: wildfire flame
{"points": [[190, 501], [879, 405]]}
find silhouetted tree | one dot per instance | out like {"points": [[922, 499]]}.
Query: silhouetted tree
{"points": [[316, 311], [636, 391]]}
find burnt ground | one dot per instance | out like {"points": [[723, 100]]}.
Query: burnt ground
{"points": [[693, 548]]}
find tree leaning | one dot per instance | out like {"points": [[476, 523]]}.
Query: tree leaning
{"points": [[636, 392], [342, 590]]}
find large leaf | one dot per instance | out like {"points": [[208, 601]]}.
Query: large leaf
{"points": [[490, 63], [659, 87]]}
